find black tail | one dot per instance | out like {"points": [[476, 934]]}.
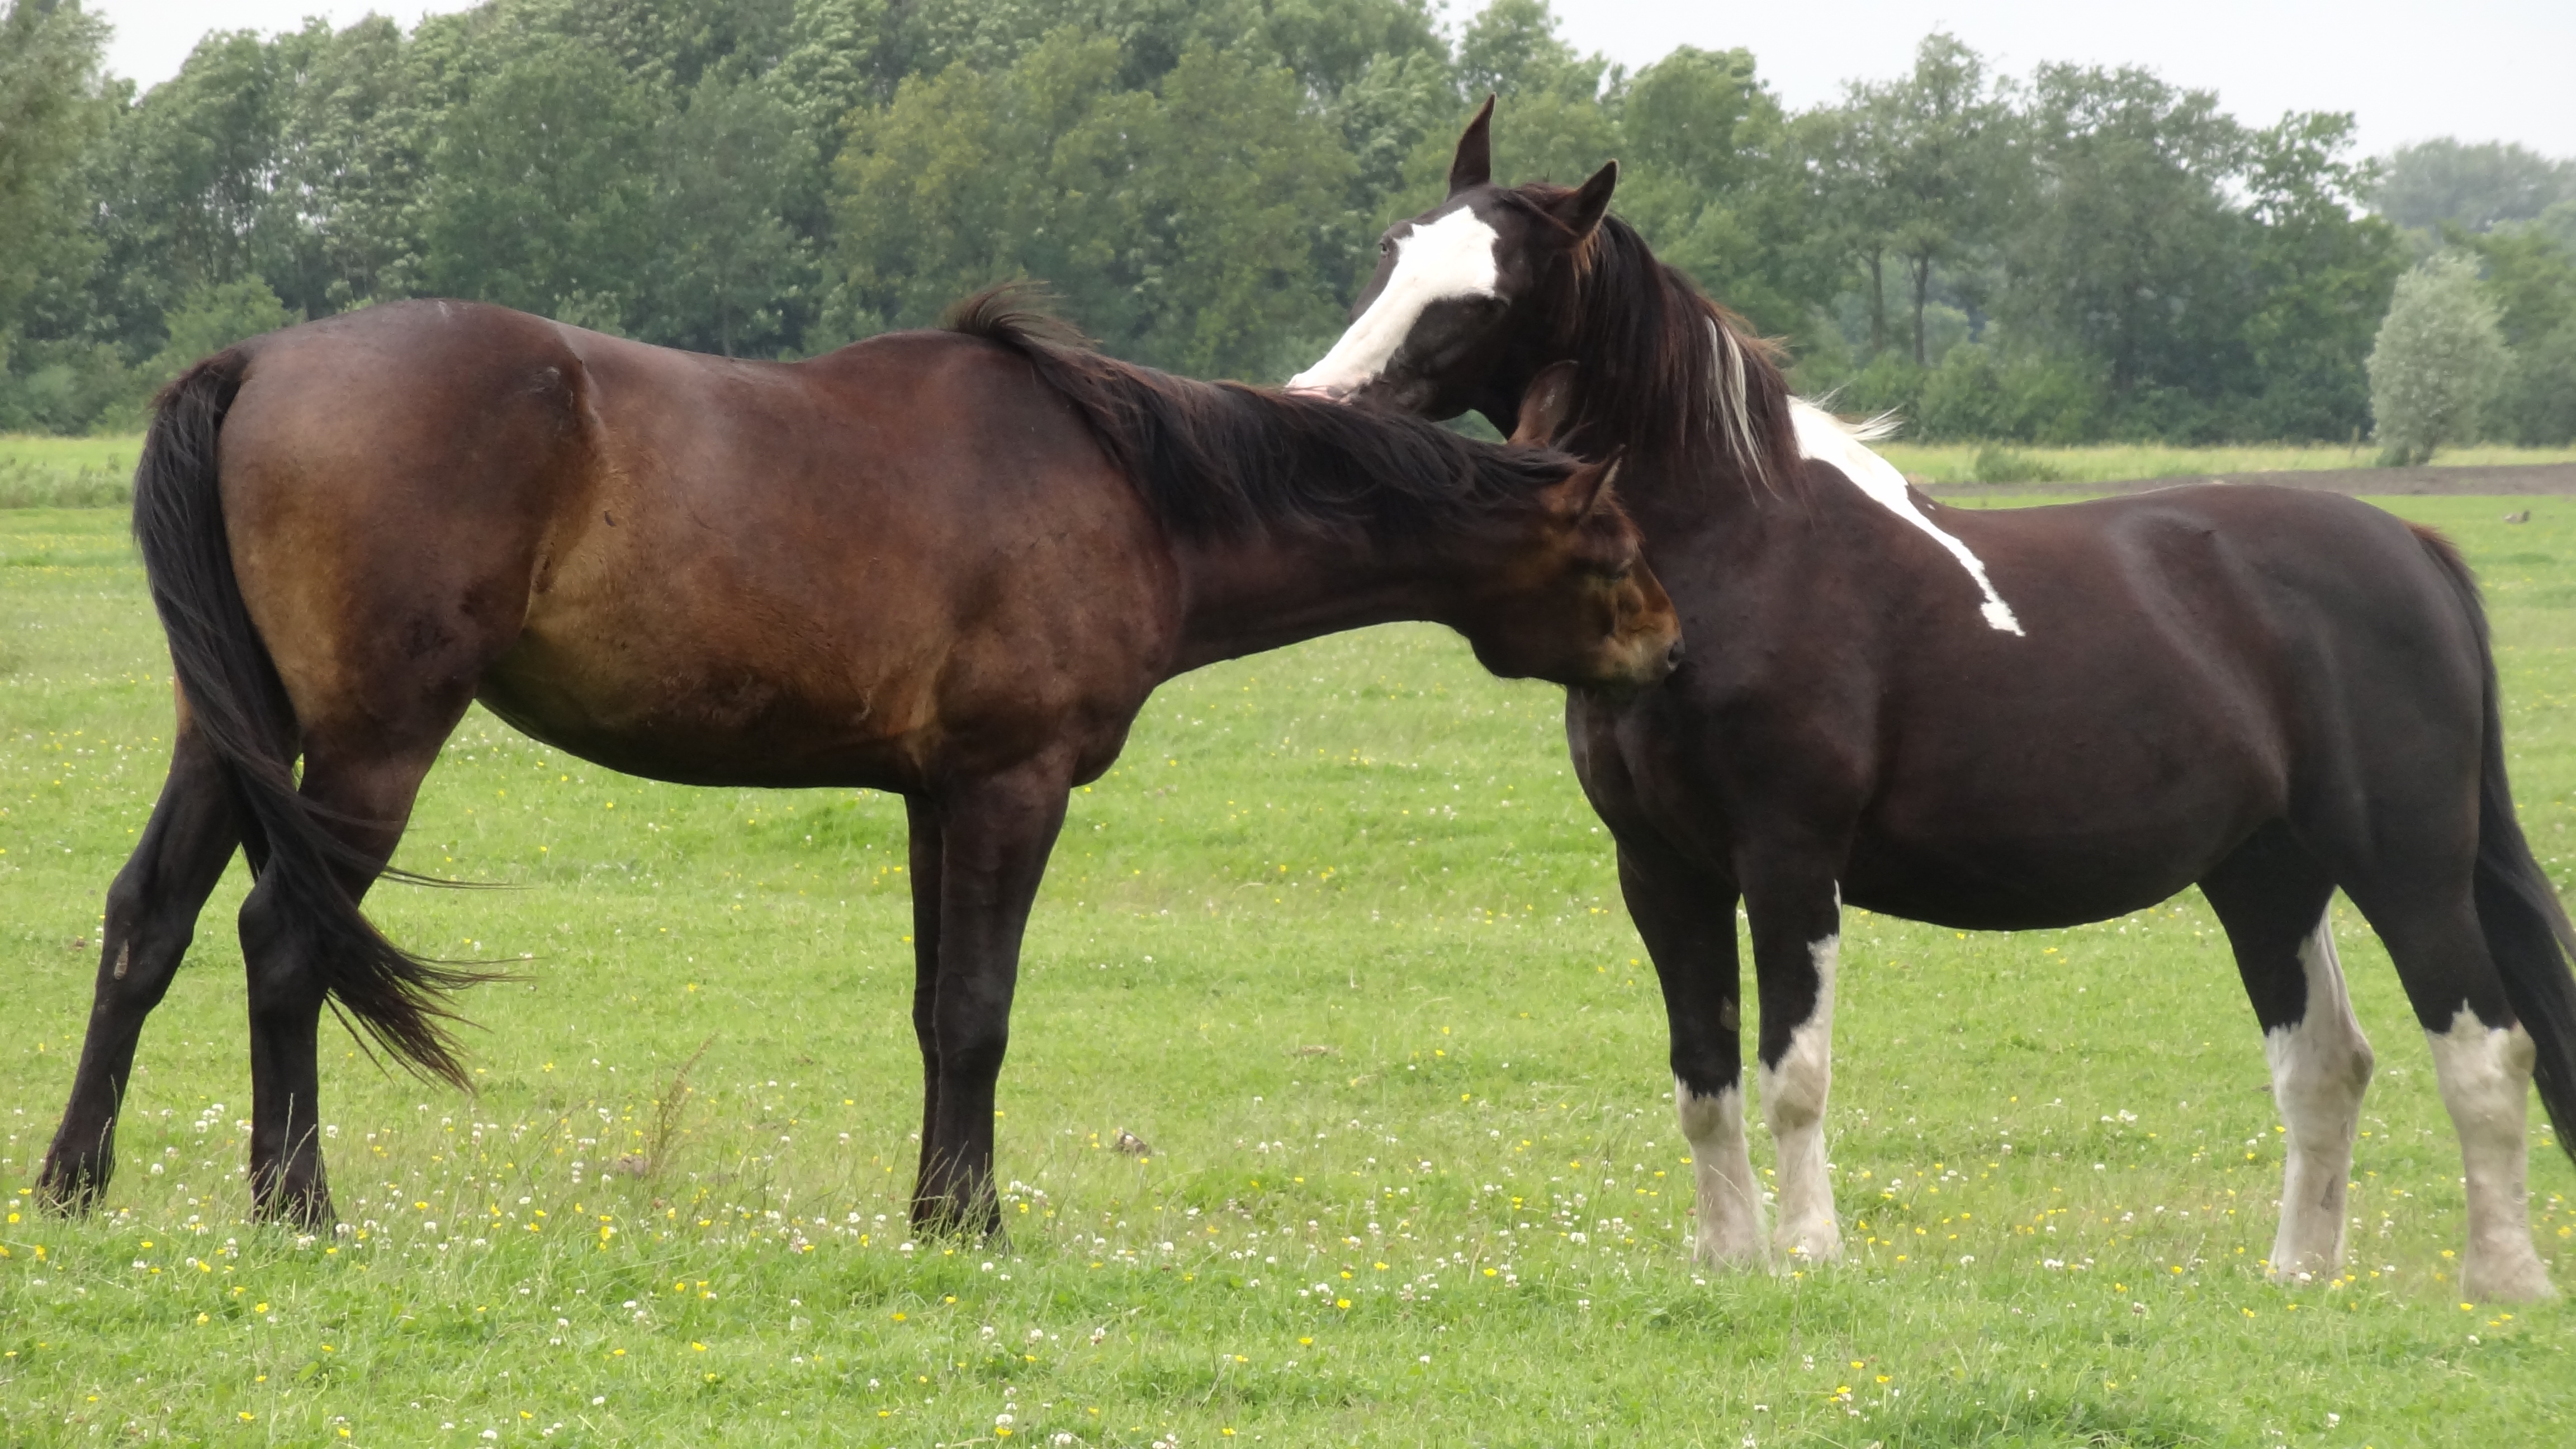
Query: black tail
{"points": [[2527, 930], [237, 704]]}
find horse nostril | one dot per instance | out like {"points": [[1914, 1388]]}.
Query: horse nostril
{"points": [[1673, 656]]}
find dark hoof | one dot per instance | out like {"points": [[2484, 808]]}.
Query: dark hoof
{"points": [[306, 1210], [943, 1219], [72, 1189]]}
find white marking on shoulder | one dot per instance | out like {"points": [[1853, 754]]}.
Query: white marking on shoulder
{"points": [[1451, 257], [1828, 439]]}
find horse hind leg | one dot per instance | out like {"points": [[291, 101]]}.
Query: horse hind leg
{"points": [[151, 919], [2274, 900], [2482, 1060], [296, 958]]}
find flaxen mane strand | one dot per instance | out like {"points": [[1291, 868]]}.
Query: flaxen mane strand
{"points": [[1665, 368], [1225, 460]]}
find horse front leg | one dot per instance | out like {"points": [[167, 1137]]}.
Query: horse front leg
{"points": [[1686, 917], [995, 835], [922, 816], [151, 917], [1797, 943]]}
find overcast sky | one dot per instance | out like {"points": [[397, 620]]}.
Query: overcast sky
{"points": [[2481, 70]]}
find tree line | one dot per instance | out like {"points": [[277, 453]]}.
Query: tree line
{"points": [[2074, 254]]}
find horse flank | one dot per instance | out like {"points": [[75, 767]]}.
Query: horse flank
{"points": [[1223, 460]]}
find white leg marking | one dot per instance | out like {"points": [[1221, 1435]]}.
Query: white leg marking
{"points": [[2320, 1068], [2485, 1074], [1793, 1106], [1728, 1202], [1823, 437], [1450, 257]]}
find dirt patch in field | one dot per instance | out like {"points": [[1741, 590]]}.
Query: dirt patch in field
{"points": [[2526, 478]]}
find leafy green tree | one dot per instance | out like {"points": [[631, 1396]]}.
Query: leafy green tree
{"points": [[2531, 277], [1951, 165], [187, 187], [732, 273], [2473, 186], [211, 318], [2437, 359], [1182, 227], [540, 188], [1554, 126], [2536, 403], [51, 110], [2129, 251], [1712, 176], [1512, 49], [1240, 178], [2320, 272]]}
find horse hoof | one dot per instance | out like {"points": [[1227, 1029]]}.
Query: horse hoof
{"points": [[303, 1211], [2518, 1279], [941, 1218], [1730, 1255], [71, 1191]]}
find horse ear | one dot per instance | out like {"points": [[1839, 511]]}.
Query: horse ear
{"points": [[1582, 209], [1544, 404], [1473, 165], [1587, 488]]}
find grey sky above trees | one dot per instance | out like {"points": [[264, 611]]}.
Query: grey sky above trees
{"points": [[2488, 70]]}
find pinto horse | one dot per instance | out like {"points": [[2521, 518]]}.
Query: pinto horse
{"points": [[949, 564], [1995, 720]]}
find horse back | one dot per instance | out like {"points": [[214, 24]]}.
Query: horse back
{"points": [[868, 566]]}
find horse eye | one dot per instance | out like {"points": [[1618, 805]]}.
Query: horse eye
{"points": [[1385, 244]]}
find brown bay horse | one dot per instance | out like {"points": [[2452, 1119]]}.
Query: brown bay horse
{"points": [[1995, 720], [950, 564]]}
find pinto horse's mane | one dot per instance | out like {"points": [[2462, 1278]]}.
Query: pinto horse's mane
{"points": [[1222, 460], [1664, 370]]}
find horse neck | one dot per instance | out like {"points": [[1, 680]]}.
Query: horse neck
{"points": [[1689, 435], [1243, 596]]}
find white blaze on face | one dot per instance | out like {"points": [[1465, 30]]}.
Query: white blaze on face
{"points": [[1793, 1107], [2320, 1067], [1823, 437], [2485, 1075], [1448, 258]]}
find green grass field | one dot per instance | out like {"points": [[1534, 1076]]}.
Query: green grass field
{"points": [[1339, 939], [40, 472], [1951, 463], [44, 472]]}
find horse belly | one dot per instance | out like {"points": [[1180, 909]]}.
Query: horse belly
{"points": [[1995, 885], [709, 718], [2066, 829]]}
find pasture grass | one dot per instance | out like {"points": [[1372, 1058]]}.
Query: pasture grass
{"points": [[49, 472], [1339, 940], [1951, 463]]}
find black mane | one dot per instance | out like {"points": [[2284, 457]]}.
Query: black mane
{"points": [[1222, 460], [1655, 377]]}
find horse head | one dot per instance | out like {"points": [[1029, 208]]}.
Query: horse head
{"points": [[1568, 596], [1466, 295]]}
